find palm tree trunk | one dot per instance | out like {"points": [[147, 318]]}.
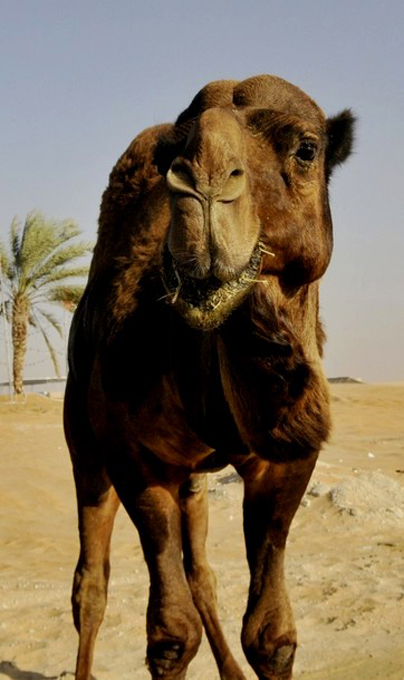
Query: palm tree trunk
{"points": [[19, 332]]}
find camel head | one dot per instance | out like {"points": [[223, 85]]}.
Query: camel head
{"points": [[246, 168]]}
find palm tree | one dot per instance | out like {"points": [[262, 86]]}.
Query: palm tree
{"points": [[35, 272]]}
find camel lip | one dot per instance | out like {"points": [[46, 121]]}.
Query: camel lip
{"points": [[206, 295]]}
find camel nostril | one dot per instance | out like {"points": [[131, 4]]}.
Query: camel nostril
{"points": [[178, 167], [180, 178], [233, 187]]}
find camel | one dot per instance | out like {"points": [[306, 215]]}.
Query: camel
{"points": [[197, 344]]}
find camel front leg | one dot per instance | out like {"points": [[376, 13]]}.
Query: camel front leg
{"points": [[272, 496], [174, 626], [194, 506], [89, 596], [97, 504]]}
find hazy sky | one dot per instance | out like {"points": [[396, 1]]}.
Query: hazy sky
{"points": [[80, 79]]}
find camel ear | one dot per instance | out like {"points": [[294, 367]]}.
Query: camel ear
{"points": [[340, 133]]}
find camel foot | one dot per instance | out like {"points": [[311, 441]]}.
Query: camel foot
{"points": [[281, 663], [275, 662], [164, 658]]}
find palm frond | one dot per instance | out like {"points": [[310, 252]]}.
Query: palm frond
{"points": [[32, 321], [15, 239], [6, 274], [67, 296], [59, 258], [51, 320], [38, 240], [36, 322], [40, 243], [62, 273], [6, 308], [51, 350], [4, 261]]}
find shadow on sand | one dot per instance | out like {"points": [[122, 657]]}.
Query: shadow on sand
{"points": [[9, 669]]}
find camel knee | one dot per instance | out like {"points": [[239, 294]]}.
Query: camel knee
{"points": [[202, 582], [89, 598], [270, 657]]}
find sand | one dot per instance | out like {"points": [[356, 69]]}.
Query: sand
{"points": [[345, 560]]}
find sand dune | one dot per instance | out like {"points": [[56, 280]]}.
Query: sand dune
{"points": [[345, 561]]}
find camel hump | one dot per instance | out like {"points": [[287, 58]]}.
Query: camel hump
{"points": [[133, 172], [262, 91], [131, 180]]}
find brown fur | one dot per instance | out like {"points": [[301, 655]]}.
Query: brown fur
{"points": [[197, 344]]}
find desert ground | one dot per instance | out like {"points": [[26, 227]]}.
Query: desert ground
{"points": [[345, 561]]}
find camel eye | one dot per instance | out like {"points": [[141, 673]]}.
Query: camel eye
{"points": [[306, 152]]}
